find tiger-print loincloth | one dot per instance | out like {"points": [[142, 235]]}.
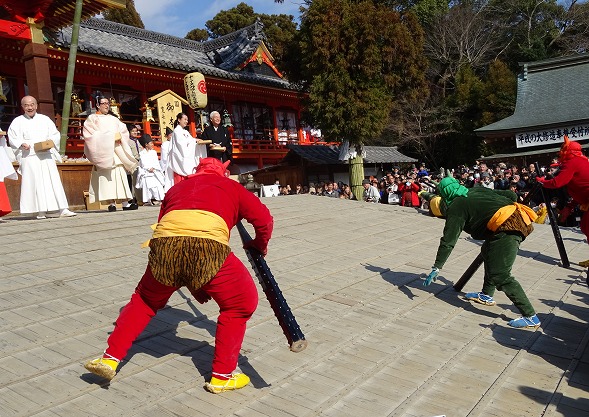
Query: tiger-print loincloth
{"points": [[515, 223], [178, 261]]}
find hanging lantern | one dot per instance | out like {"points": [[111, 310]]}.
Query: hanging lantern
{"points": [[147, 112], [226, 119], [196, 90], [76, 105], [114, 107], [285, 122], [2, 96]]}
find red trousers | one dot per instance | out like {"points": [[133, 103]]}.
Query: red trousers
{"points": [[232, 289], [4, 202]]}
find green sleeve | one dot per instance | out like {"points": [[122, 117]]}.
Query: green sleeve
{"points": [[427, 196], [452, 229]]}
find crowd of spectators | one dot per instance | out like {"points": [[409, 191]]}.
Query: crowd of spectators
{"points": [[404, 187]]}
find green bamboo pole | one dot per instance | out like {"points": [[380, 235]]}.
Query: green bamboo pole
{"points": [[69, 80], [357, 174]]}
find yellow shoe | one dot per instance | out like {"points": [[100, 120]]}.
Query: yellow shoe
{"points": [[584, 264], [236, 381], [105, 368]]}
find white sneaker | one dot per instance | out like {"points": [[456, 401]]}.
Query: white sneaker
{"points": [[41, 215], [67, 213]]}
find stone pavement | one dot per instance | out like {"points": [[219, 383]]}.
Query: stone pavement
{"points": [[380, 344]]}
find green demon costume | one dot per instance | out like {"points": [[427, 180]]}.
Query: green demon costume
{"points": [[495, 217]]}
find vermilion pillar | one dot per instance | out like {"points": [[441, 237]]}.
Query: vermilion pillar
{"points": [[38, 78]]}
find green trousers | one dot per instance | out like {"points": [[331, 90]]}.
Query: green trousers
{"points": [[499, 253]]}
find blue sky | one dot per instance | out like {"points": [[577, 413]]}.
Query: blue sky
{"points": [[178, 17]]}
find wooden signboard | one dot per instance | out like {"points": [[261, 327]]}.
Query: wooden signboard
{"points": [[168, 105]]}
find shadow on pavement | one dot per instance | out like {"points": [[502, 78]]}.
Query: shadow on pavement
{"points": [[160, 339]]}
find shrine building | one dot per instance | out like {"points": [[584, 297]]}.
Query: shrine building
{"points": [[131, 65], [552, 101]]}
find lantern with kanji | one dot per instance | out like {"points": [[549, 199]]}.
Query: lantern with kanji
{"points": [[196, 90]]}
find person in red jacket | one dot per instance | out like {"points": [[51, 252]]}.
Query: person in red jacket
{"points": [[408, 191], [190, 247], [574, 173]]}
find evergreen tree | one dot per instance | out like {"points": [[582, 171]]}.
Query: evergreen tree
{"points": [[227, 21], [357, 59], [198, 35], [128, 16], [279, 29]]}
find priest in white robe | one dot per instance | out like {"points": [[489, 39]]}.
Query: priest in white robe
{"points": [[185, 151], [106, 146], [41, 188]]}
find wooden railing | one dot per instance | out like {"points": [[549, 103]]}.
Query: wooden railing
{"points": [[242, 148]]}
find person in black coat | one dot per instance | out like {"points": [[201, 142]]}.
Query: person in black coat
{"points": [[221, 148]]}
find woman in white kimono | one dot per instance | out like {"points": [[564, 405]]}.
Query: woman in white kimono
{"points": [[185, 151], [164, 160]]}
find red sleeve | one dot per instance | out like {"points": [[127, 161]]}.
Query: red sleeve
{"points": [[257, 214], [563, 178]]}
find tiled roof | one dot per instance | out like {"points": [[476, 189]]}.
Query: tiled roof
{"points": [[317, 154], [549, 93], [217, 57], [320, 154], [533, 152], [385, 155]]}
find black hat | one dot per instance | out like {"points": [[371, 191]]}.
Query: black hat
{"points": [[145, 139], [365, 181], [169, 131]]}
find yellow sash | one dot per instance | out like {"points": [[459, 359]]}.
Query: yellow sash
{"points": [[434, 204], [528, 215], [195, 223]]}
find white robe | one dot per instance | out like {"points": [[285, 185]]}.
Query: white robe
{"points": [[108, 180], [6, 168], [41, 187], [185, 154], [164, 163], [152, 183]]}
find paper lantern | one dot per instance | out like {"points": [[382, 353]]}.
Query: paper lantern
{"points": [[196, 90]]}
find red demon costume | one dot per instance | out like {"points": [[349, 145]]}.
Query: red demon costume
{"points": [[574, 173], [190, 247]]}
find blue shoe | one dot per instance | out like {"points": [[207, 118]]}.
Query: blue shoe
{"points": [[525, 322], [480, 298]]}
